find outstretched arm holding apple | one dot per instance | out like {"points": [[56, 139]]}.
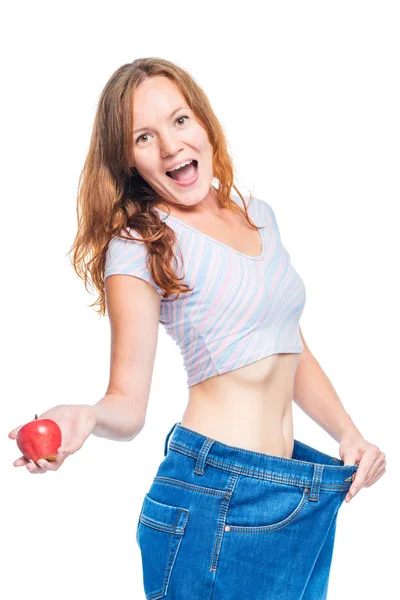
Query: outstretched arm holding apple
{"points": [[59, 432], [46, 441]]}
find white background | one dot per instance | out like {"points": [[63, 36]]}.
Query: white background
{"points": [[308, 94]]}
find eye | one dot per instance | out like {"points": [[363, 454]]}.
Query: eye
{"points": [[141, 136], [146, 134], [184, 117]]}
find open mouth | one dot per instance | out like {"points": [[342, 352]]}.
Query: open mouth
{"points": [[184, 174]]}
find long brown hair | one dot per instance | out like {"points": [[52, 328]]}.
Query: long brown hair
{"points": [[110, 199]]}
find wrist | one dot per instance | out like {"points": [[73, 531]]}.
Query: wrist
{"points": [[348, 429], [115, 418]]}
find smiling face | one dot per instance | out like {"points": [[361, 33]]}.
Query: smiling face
{"points": [[167, 133]]}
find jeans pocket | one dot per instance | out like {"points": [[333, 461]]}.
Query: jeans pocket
{"points": [[265, 506], [159, 535]]}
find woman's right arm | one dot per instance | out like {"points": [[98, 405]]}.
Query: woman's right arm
{"points": [[133, 308]]}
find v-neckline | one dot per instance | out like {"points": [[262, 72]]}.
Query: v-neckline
{"points": [[260, 231]]}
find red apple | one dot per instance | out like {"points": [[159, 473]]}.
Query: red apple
{"points": [[38, 439]]}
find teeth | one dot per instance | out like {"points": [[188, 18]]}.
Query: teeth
{"points": [[181, 165]]}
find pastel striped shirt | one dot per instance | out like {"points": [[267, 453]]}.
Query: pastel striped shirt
{"points": [[242, 308]]}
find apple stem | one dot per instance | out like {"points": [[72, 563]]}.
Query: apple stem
{"points": [[36, 416]]}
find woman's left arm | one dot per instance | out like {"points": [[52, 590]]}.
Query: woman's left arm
{"points": [[316, 396]]}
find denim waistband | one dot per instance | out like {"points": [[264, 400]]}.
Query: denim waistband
{"points": [[306, 467]]}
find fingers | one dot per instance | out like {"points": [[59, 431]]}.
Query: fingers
{"points": [[373, 470], [43, 465], [24, 462], [21, 462], [367, 460], [36, 470], [377, 474], [54, 465], [13, 434], [372, 473]]}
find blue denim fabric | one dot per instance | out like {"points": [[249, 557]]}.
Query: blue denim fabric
{"points": [[225, 523]]}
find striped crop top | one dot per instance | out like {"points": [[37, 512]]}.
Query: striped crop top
{"points": [[242, 308]]}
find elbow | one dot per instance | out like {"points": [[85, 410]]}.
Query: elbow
{"points": [[135, 430]]}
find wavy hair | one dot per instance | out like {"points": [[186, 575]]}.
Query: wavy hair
{"points": [[110, 199]]}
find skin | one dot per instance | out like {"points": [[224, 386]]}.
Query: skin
{"points": [[250, 407], [169, 141], [216, 407]]}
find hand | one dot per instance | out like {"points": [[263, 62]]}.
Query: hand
{"points": [[371, 460], [76, 422]]}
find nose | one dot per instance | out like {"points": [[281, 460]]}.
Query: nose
{"points": [[169, 144]]}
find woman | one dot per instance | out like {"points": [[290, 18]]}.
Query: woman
{"points": [[238, 507]]}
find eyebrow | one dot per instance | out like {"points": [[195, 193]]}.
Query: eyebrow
{"points": [[170, 117]]}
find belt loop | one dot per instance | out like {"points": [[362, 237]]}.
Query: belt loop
{"points": [[202, 456], [167, 438], [316, 483]]}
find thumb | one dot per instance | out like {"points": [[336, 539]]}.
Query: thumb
{"points": [[13, 434]]}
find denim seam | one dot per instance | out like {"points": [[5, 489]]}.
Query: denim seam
{"points": [[319, 452], [226, 466], [190, 486], [171, 530], [171, 556], [270, 456], [249, 529], [160, 526], [222, 520]]}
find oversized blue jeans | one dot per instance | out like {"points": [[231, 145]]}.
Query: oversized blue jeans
{"points": [[225, 523]]}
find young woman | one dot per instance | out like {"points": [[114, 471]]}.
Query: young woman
{"points": [[238, 508]]}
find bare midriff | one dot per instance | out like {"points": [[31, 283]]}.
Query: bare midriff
{"points": [[249, 407]]}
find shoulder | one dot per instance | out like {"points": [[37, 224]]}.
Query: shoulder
{"points": [[261, 212], [119, 247], [128, 257], [123, 239]]}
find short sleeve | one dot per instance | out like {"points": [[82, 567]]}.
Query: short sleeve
{"points": [[128, 257], [269, 219], [264, 215], [273, 220]]}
